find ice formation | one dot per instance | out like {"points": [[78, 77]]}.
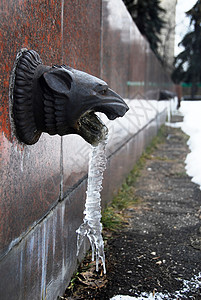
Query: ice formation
{"points": [[91, 226]]}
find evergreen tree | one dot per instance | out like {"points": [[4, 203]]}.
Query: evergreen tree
{"points": [[188, 62], [146, 15]]}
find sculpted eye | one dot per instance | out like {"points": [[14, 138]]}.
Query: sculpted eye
{"points": [[103, 92], [101, 89]]}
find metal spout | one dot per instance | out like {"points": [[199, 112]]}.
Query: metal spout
{"points": [[60, 100]]}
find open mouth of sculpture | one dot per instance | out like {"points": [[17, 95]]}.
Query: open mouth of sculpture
{"points": [[91, 128]]}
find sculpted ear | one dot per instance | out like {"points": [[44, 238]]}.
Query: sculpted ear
{"points": [[58, 80]]}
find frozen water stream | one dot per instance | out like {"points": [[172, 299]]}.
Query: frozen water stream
{"points": [[91, 226]]}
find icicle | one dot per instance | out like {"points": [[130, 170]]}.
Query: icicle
{"points": [[91, 226]]}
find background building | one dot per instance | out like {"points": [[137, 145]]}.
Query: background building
{"points": [[167, 36]]}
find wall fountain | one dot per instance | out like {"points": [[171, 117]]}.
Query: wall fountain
{"points": [[59, 100], [62, 100]]}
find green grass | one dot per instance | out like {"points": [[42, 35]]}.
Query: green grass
{"points": [[180, 174], [112, 217], [73, 281]]}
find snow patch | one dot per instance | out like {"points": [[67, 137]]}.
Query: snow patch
{"points": [[174, 125], [192, 126], [188, 285]]}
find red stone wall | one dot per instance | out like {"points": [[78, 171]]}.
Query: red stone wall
{"points": [[61, 32], [95, 36]]}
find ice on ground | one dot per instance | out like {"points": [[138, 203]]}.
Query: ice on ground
{"points": [[91, 226], [191, 285], [192, 126]]}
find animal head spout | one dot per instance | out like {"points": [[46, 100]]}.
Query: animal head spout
{"points": [[64, 101]]}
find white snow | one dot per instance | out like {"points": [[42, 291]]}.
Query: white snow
{"points": [[188, 285], [192, 126], [174, 125]]}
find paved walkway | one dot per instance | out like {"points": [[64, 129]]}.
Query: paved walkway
{"points": [[159, 253]]}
